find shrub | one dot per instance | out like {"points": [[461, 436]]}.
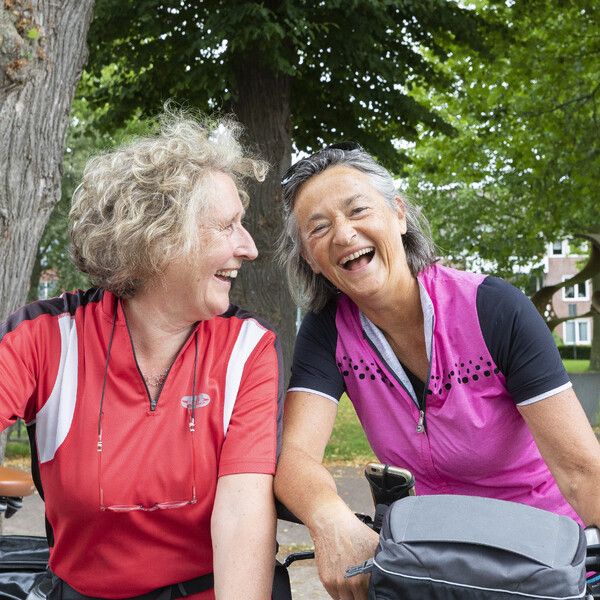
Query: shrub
{"points": [[575, 352]]}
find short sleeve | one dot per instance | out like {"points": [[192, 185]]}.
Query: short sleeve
{"points": [[253, 437], [519, 341], [314, 368]]}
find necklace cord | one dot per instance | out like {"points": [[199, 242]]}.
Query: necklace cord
{"points": [[193, 421], [110, 341]]}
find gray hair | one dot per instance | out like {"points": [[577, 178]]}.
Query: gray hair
{"points": [[139, 206], [311, 290]]}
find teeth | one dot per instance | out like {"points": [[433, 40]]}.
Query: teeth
{"points": [[233, 273], [355, 255]]}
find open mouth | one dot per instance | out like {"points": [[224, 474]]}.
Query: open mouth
{"points": [[357, 259], [226, 275]]}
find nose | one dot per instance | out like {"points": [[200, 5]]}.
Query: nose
{"points": [[343, 232], [246, 247]]}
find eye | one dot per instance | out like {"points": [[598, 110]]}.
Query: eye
{"points": [[228, 226], [357, 210], [318, 229]]}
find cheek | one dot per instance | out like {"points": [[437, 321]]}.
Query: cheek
{"points": [[313, 255]]}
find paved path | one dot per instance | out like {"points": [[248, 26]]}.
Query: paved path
{"points": [[352, 487]]}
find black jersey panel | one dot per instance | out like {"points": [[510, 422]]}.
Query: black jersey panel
{"points": [[67, 303], [314, 367], [518, 340]]}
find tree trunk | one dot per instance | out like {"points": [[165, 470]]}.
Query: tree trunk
{"points": [[42, 53], [263, 106], [595, 351]]}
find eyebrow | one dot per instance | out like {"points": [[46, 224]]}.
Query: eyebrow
{"points": [[345, 204]]}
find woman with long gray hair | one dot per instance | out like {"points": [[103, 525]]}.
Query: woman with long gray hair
{"points": [[453, 375]]}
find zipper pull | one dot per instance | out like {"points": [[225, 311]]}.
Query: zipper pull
{"points": [[420, 425]]}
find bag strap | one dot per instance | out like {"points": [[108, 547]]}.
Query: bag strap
{"points": [[281, 583]]}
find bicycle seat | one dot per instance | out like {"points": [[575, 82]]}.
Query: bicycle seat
{"points": [[15, 483]]}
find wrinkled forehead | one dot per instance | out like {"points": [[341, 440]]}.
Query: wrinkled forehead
{"points": [[344, 176]]}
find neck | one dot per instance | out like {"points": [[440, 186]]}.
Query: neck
{"points": [[156, 337], [398, 311]]}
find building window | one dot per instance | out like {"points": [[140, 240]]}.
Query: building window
{"points": [[572, 310], [557, 248], [576, 332], [577, 292], [46, 289]]}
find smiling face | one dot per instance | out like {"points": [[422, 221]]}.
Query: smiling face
{"points": [[351, 235], [199, 285]]}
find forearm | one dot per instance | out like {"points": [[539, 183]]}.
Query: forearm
{"points": [[306, 487], [579, 482], [243, 531], [569, 447], [341, 540]]}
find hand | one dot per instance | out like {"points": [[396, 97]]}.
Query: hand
{"points": [[345, 543]]}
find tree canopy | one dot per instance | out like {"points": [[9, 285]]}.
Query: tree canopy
{"points": [[524, 166], [351, 64]]}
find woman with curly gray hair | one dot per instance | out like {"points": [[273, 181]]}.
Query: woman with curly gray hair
{"points": [[154, 402], [453, 375]]}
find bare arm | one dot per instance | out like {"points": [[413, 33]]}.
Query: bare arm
{"points": [[305, 486], [569, 447], [243, 534]]}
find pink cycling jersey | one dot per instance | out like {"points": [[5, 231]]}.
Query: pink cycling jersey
{"points": [[465, 435]]}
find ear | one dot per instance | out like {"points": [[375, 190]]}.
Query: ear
{"points": [[401, 212], [311, 263]]}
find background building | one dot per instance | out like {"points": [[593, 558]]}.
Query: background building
{"points": [[560, 264]]}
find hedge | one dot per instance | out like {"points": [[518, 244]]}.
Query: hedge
{"points": [[575, 352]]}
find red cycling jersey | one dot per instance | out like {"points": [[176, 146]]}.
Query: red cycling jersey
{"points": [[53, 360]]}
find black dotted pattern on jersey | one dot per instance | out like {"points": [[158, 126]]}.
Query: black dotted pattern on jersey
{"points": [[463, 373], [363, 370]]}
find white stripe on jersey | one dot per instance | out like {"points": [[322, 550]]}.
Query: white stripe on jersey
{"points": [[54, 420], [249, 336]]}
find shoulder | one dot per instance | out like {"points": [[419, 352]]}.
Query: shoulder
{"points": [[67, 304], [499, 302], [235, 316], [519, 340], [441, 273]]}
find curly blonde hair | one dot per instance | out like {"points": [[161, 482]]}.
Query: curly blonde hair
{"points": [[138, 207]]}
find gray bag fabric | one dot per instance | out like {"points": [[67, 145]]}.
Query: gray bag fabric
{"points": [[469, 548]]}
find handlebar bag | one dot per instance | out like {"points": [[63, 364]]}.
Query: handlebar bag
{"points": [[470, 548]]}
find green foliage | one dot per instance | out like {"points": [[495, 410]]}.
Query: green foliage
{"points": [[575, 352], [84, 139], [524, 168], [352, 63], [17, 449]]}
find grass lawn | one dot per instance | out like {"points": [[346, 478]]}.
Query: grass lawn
{"points": [[348, 443], [576, 366]]}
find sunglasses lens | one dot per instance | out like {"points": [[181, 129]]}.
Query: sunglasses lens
{"points": [[344, 146]]}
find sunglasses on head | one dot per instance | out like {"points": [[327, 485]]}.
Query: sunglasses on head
{"points": [[344, 146]]}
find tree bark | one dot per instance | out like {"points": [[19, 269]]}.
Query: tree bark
{"points": [[263, 107], [42, 53]]}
